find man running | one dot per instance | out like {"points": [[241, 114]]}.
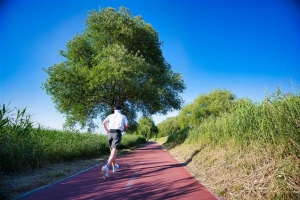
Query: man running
{"points": [[117, 124]]}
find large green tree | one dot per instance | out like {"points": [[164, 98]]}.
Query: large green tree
{"points": [[116, 60]]}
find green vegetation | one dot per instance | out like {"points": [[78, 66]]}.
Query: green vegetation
{"points": [[146, 127], [168, 126], [274, 121], [241, 150], [23, 146], [213, 104], [116, 60]]}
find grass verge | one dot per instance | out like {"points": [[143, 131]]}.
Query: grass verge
{"points": [[236, 172]]}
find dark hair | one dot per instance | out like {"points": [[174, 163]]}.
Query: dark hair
{"points": [[117, 108]]}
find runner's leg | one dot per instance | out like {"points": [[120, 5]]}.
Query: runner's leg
{"points": [[113, 155]]}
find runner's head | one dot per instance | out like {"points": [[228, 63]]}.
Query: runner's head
{"points": [[117, 108]]}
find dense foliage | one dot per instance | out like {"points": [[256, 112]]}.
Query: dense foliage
{"points": [[146, 127], [272, 121], [23, 146], [218, 117], [257, 141], [168, 126], [213, 104], [116, 60]]}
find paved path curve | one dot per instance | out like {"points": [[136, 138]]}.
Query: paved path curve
{"points": [[147, 173]]}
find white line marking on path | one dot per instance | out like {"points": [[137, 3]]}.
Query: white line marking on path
{"points": [[132, 179]]}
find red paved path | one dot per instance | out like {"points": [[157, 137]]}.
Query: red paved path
{"points": [[146, 173]]}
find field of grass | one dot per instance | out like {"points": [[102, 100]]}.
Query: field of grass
{"points": [[24, 146], [251, 152]]}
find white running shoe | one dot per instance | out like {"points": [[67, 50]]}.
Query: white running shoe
{"points": [[115, 168], [105, 171]]}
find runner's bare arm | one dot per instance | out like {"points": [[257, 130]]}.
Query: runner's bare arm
{"points": [[125, 127], [105, 127]]}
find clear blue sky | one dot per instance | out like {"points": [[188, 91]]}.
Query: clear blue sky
{"points": [[246, 47]]}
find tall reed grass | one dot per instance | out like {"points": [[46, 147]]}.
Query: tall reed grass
{"points": [[23, 146], [273, 121], [264, 137]]}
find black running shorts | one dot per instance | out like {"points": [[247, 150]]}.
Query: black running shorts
{"points": [[114, 140]]}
